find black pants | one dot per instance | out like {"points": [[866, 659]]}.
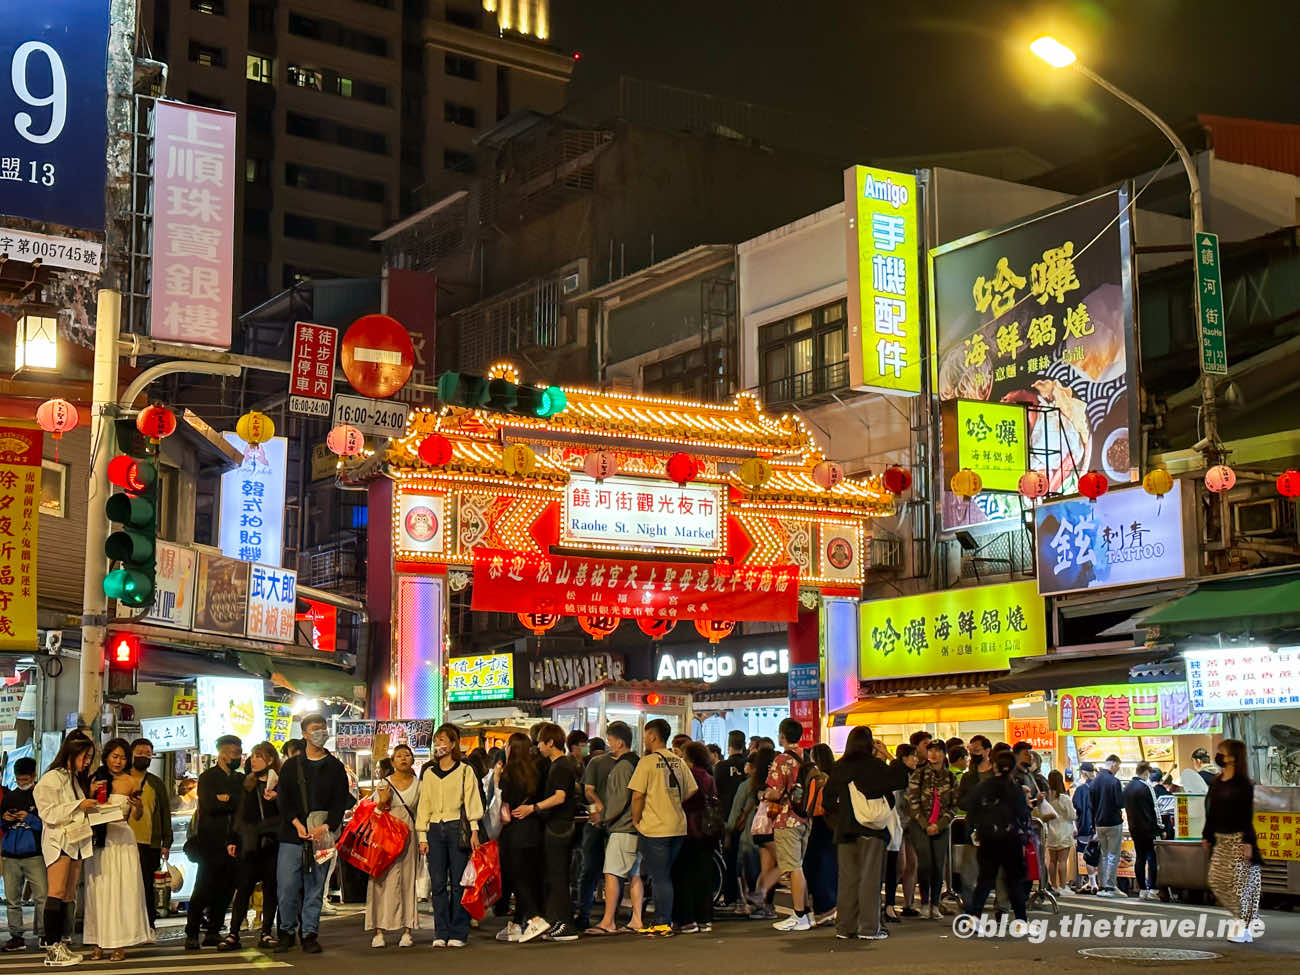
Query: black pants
{"points": [[557, 845], [693, 879], [150, 857], [213, 885], [891, 879], [731, 880], [521, 870], [1144, 869], [254, 868], [1006, 853]]}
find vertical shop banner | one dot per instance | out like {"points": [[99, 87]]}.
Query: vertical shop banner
{"points": [[279, 721], [173, 601], [20, 479], [252, 502], [53, 59], [272, 601], [884, 281], [221, 595], [809, 715], [1125, 537], [193, 225], [311, 375], [1041, 314]]}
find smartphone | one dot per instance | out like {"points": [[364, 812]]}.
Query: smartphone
{"points": [[271, 780]]}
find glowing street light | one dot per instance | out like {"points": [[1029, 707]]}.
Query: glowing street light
{"points": [[1052, 51]]}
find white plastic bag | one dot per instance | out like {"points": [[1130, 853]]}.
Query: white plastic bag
{"points": [[469, 876]]}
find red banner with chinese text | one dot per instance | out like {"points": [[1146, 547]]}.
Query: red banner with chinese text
{"points": [[20, 497], [576, 585]]}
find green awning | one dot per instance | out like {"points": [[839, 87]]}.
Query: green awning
{"points": [[305, 679], [1267, 602]]}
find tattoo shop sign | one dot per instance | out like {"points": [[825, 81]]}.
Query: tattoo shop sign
{"points": [[951, 632]]}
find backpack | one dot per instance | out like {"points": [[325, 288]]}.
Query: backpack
{"points": [[806, 798], [712, 822]]}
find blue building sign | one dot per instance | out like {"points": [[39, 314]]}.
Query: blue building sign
{"points": [[805, 682], [53, 111]]}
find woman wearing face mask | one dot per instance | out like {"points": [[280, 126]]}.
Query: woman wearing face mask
{"points": [[1235, 863], [447, 821], [255, 844], [390, 900], [115, 913], [62, 801]]}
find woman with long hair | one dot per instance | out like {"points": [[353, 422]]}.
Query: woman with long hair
{"points": [[1060, 833], [521, 840], [1235, 863], [256, 846], [447, 821], [819, 865], [116, 917], [761, 829], [62, 800], [692, 871], [391, 904]]}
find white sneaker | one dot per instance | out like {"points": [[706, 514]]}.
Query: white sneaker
{"points": [[1018, 928], [1240, 934], [511, 932], [1063, 892], [455, 943], [537, 927], [1109, 892], [406, 941], [58, 955], [439, 943], [378, 940], [795, 922]]}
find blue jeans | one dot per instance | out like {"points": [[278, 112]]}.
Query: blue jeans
{"points": [[658, 854], [446, 864], [298, 890], [593, 864]]}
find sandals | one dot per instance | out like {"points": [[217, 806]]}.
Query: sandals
{"points": [[269, 941], [231, 943], [119, 954], [96, 954]]}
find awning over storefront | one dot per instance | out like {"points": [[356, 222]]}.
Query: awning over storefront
{"points": [[1052, 672], [931, 684], [926, 709], [159, 664], [301, 678], [1264, 602]]}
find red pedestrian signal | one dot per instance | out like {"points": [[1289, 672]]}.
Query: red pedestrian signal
{"points": [[124, 651]]}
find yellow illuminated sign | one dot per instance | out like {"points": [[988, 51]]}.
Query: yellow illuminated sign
{"points": [[991, 440], [951, 632], [883, 281]]}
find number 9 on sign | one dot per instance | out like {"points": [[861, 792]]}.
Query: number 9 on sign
{"points": [[56, 101]]}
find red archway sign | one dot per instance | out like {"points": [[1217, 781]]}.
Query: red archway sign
{"points": [[377, 356]]}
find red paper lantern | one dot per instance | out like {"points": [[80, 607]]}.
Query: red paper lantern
{"points": [[436, 450], [827, 474], [1033, 484], [156, 422], [600, 464], [57, 417], [345, 440], [682, 467], [1220, 478], [897, 480], [714, 630], [1288, 484], [655, 629], [1093, 485], [599, 627], [539, 623]]}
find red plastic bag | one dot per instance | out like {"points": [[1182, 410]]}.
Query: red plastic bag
{"points": [[373, 840], [1032, 868], [483, 889]]}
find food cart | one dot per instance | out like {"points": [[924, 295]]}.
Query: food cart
{"points": [[593, 707]]}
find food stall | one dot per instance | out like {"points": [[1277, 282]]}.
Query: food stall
{"points": [[593, 707]]}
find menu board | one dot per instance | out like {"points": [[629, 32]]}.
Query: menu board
{"points": [[1243, 678]]}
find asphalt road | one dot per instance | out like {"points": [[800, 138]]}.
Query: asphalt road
{"points": [[915, 947]]}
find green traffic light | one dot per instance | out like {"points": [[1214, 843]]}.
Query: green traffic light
{"points": [[129, 587], [553, 401]]}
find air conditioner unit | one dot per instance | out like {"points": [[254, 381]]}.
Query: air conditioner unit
{"points": [[1255, 517]]}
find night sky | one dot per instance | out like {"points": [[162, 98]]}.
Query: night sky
{"points": [[924, 76]]}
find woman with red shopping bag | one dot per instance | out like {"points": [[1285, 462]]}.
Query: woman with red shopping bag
{"points": [[446, 821], [391, 902]]}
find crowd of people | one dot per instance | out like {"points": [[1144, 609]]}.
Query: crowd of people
{"points": [[660, 829]]}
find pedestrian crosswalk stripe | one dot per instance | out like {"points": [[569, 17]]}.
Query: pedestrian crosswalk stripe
{"points": [[158, 963]]}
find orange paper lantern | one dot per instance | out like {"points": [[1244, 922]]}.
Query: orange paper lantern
{"points": [[599, 627], [345, 440], [539, 623], [654, 628], [714, 630]]}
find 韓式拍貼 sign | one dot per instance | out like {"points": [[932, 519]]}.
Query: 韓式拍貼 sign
{"points": [[638, 513], [1243, 678], [252, 502], [990, 439], [1040, 313], [951, 632], [1124, 538], [884, 281], [1124, 710], [486, 677]]}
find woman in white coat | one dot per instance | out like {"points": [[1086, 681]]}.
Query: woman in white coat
{"points": [[62, 799], [391, 904], [116, 917]]}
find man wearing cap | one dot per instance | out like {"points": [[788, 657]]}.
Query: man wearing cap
{"points": [[1087, 833], [220, 789]]}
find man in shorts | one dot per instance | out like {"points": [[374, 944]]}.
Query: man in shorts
{"points": [[789, 830], [614, 813]]}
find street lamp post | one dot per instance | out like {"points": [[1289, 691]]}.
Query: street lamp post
{"points": [[1059, 56]]}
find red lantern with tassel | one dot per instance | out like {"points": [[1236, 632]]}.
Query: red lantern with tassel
{"points": [[156, 422], [1288, 484], [1093, 485], [56, 417], [1033, 484], [599, 627], [539, 623], [897, 480], [655, 629], [714, 630]]}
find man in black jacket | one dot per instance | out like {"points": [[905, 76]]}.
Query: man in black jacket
{"points": [[219, 790], [313, 795], [153, 830], [727, 775], [1107, 800], [1144, 827]]}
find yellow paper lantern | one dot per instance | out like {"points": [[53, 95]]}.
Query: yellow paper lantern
{"points": [[755, 472], [519, 459], [966, 483], [1158, 482], [255, 428]]}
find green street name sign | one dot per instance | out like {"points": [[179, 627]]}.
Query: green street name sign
{"points": [[1209, 305]]}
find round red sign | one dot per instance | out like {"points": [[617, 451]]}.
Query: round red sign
{"points": [[421, 523], [377, 356]]}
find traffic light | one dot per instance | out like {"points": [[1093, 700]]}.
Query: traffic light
{"points": [[132, 546], [500, 395], [123, 662]]}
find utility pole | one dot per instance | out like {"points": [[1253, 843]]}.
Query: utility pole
{"points": [[108, 313]]}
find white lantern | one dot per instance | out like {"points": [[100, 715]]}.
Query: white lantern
{"points": [[36, 342]]}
